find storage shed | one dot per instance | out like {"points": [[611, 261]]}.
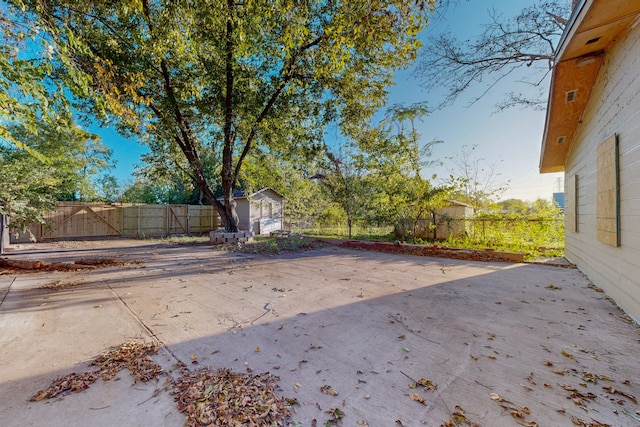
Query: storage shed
{"points": [[261, 212], [592, 133], [452, 219]]}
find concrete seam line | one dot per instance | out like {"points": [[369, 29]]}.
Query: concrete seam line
{"points": [[144, 325], [8, 289]]}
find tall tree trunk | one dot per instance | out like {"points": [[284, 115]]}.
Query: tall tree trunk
{"points": [[230, 217]]}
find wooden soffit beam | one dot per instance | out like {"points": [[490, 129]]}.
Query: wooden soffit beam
{"points": [[597, 27]]}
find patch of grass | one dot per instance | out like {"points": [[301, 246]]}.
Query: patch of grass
{"points": [[278, 245], [383, 234], [186, 240]]}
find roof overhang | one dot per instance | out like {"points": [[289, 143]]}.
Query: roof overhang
{"points": [[594, 28]]}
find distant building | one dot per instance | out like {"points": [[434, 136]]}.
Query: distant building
{"points": [[558, 200], [261, 212]]}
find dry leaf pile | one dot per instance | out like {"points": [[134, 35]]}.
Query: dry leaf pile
{"points": [[22, 266], [226, 398], [136, 357], [206, 397], [70, 383], [59, 285]]}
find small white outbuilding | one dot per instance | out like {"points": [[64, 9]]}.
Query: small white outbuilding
{"points": [[261, 212]]}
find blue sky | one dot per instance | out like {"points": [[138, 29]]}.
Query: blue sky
{"points": [[510, 140]]}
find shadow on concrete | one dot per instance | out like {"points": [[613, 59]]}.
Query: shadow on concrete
{"points": [[360, 322]]}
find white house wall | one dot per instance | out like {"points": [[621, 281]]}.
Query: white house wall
{"points": [[614, 108]]}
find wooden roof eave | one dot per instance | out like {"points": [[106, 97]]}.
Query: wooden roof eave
{"points": [[595, 26], [572, 83]]}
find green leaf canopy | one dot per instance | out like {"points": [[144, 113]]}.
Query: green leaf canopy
{"points": [[207, 82]]}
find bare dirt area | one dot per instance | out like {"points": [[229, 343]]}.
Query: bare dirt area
{"points": [[331, 336]]}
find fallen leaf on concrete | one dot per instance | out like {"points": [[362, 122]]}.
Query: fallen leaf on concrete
{"points": [[576, 396], [416, 397], [593, 423], [427, 384], [567, 354], [336, 415], [326, 389], [458, 418], [553, 287], [612, 390]]}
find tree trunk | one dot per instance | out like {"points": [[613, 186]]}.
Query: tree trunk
{"points": [[230, 219]]}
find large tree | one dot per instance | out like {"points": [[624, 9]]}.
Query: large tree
{"points": [[377, 178], [208, 81], [506, 45]]}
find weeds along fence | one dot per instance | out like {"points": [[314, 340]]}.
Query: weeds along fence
{"points": [[531, 234], [72, 220], [518, 233]]}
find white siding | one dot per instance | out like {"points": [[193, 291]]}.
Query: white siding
{"points": [[614, 108], [266, 209]]}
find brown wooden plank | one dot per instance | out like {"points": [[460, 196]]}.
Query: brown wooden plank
{"points": [[607, 192]]}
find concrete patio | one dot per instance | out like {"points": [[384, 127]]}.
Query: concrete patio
{"points": [[490, 336]]}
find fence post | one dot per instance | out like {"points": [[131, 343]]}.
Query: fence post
{"points": [[168, 210], [484, 235], [2, 233], [138, 232]]}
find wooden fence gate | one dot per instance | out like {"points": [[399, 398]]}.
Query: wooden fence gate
{"points": [[71, 220]]}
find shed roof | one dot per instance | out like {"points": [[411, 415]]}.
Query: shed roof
{"points": [[457, 203], [593, 29], [242, 194]]}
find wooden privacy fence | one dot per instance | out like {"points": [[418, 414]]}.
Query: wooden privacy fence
{"points": [[84, 220]]}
